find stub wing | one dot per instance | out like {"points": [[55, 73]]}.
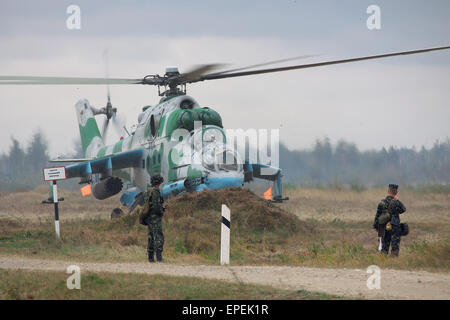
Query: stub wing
{"points": [[70, 160], [105, 165]]}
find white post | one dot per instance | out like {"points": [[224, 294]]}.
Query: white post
{"points": [[55, 201], [225, 236]]}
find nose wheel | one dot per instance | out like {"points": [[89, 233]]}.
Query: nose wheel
{"points": [[116, 213]]}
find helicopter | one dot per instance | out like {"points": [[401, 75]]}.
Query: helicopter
{"points": [[177, 138]]}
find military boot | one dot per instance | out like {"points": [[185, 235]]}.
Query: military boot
{"points": [[151, 256], [394, 253], [159, 257]]}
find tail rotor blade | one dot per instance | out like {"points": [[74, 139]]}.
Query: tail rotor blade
{"points": [[105, 129], [105, 59], [119, 124]]}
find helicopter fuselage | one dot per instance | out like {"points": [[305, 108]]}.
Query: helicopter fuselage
{"points": [[184, 143]]}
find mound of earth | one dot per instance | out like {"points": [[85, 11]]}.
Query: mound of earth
{"points": [[249, 212], [192, 223]]}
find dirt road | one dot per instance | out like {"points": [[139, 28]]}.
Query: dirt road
{"points": [[344, 282]]}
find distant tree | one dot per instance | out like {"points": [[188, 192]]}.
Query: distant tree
{"points": [[16, 159], [3, 164], [37, 154], [346, 154], [322, 155]]}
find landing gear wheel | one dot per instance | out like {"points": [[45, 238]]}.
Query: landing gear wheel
{"points": [[116, 213]]}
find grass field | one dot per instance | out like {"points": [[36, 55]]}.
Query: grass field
{"points": [[333, 229], [52, 285]]}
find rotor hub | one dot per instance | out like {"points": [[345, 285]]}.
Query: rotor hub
{"points": [[172, 71], [109, 111]]}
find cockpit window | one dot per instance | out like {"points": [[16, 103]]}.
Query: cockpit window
{"points": [[209, 160], [226, 161], [213, 135], [204, 138], [216, 155]]}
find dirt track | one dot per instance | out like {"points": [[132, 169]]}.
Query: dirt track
{"points": [[345, 282]]}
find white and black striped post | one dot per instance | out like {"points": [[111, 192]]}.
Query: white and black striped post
{"points": [[225, 236], [55, 201], [52, 174]]}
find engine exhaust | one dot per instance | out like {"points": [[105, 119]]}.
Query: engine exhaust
{"points": [[107, 188]]}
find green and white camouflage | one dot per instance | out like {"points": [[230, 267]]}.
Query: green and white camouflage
{"points": [[178, 139]]}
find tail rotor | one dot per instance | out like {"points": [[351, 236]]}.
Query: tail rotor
{"points": [[108, 110]]}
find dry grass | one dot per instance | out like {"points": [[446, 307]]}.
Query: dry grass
{"points": [[348, 205], [317, 227], [35, 285], [191, 225], [28, 205]]}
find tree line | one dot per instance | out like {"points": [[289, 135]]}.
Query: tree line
{"points": [[323, 165], [344, 164], [21, 168]]}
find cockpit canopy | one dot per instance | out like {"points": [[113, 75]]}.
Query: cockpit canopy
{"points": [[217, 157], [210, 142]]}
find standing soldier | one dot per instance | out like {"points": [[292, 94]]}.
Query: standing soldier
{"points": [[387, 221], [153, 212]]}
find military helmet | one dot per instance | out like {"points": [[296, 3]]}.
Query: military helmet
{"points": [[404, 229], [156, 179]]}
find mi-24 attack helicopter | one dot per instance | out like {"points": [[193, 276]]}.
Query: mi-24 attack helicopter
{"points": [[155, 145]]}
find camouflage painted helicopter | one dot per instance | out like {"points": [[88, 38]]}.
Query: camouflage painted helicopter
{"points": [[156, 146]]}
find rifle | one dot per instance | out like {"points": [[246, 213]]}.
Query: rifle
{"points": [[381, 231]]}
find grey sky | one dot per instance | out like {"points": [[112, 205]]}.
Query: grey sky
{"points": [[401, 101]]}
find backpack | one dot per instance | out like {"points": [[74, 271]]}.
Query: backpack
{"points": [[145, 211], [385, 216], [404, 229]]}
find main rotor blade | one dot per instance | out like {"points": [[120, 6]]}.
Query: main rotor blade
{"points": [[319, 64], [198, 71], [63, 80], [267, 63]]}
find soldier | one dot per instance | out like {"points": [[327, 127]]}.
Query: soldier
{"points": [[387, 221], [153, 218]]}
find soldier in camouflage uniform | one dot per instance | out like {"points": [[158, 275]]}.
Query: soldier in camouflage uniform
{"points": [[390, 231], [154, 209]]}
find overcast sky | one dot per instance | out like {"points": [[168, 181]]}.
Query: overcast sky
{"points": [[401, 101]]}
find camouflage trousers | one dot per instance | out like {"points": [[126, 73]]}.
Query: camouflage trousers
{"points": [[392, 238], [155, 237]]}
